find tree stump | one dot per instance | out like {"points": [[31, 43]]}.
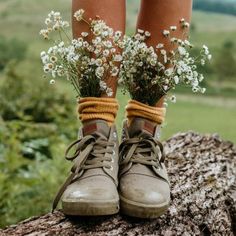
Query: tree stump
{"points": [[202, 171]]}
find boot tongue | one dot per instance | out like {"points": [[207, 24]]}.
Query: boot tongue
{"points": [[99, 127], [141, 126]]}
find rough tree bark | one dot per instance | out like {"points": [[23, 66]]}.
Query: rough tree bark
{"points": [[202, 170]]}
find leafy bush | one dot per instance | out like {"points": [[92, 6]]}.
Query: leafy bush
{"points": [[36, 124], [225, 61], [27, 185], [11, 49], [20, 99]]}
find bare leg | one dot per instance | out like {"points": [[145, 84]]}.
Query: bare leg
{"points": [[158, 15], [111, 11]]}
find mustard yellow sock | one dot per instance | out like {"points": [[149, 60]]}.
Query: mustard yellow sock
{"points": [[138, 109], [91, 108]]}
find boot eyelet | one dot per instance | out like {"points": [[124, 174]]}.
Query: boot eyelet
{"points": [[114, 135], [157, 167], [113, 153]]}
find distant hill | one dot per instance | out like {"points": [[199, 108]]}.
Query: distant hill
{"points": [[220, 6], [23, 19]]}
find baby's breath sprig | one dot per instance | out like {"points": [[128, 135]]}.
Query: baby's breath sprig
{"points": [[86, 64], [148, 73]]}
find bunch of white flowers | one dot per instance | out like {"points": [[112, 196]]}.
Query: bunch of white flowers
{"points": [[148, 73], [85, 63], [53, 22]]}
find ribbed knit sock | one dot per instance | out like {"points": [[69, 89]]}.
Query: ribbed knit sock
{"points": [[91, 108], [138, 109]]}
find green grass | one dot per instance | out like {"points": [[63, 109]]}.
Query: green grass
{"points": [[202, 118], [213, 22], [204, 114], [193, 115], [23, 19], [211, 28]]}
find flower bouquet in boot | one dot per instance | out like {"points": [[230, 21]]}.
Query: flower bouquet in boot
{"points": [[86, 62], [149, 73]]}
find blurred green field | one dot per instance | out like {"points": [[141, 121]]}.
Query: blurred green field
{"points": [[191, 112], [43, 121], [23, 19], [213, 29]]}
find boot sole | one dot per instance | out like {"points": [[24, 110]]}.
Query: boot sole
{"points": [[140, 210], [88, 208]]}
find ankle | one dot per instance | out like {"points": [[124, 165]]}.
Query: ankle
{"points": [[152, 113], [93, 108]]}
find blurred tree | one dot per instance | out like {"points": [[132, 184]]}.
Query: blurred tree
{"points": [[36, 121], [20, 100], [226, 6], [224, 64], [193, 27], [11, 49]]}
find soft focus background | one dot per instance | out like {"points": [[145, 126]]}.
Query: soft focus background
{"points": [[38, 120]]}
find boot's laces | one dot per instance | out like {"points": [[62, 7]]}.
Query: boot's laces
{"points": [[143, 149], [89, 153]]}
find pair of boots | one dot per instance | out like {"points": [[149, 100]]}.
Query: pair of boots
{"points": [[107, 177]]}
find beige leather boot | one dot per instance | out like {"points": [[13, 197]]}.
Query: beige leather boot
{"points": [[143, 182], [91, 188]]}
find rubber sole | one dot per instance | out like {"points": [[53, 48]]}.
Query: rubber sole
{"points": [[140, 210], [88, 208]]}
